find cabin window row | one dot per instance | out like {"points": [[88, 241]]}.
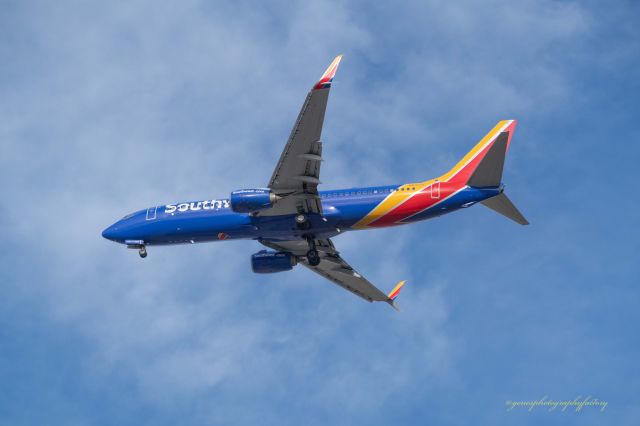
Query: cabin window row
{"points": [[352, 193]]}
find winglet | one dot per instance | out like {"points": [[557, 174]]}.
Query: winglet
{"points": [[393, 295], [327, 77]]}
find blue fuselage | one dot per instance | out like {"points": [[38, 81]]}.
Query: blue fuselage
{"points": [[213, 220]]}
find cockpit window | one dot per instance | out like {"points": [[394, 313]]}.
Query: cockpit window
{"points": [[128, 216]]}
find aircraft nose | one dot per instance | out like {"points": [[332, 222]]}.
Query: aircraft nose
{"points": [[111, 233]]}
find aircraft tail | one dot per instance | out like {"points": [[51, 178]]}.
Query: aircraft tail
{"points": [[482, 168]]}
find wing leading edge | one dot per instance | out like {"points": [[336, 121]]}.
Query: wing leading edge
{"points": [[337, 270]]}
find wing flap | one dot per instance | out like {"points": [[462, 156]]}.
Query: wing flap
{"points": [[347, 278]]}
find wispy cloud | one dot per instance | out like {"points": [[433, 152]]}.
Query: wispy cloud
{"points": [[108, 108]]}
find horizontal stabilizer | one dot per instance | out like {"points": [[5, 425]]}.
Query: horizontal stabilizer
{"points": [[501, 204]]}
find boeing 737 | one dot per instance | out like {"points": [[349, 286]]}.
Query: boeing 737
{"points": [[297, 222]]}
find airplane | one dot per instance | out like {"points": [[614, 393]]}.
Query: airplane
{"points": [[297, 222]]}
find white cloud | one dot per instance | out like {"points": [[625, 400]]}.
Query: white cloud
{"points": [[126, 104]]}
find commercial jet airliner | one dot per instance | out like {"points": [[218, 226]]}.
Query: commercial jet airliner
{"points": [[296, 221]]}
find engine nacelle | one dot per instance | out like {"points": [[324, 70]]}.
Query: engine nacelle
{"points": [[252, 200], [266, 262]]}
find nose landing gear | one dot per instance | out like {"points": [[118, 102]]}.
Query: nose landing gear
{"points": [[142, 250]]}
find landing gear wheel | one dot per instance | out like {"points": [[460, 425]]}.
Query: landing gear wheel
{"points": [[142, 252], [302, 222], [313, 257]]}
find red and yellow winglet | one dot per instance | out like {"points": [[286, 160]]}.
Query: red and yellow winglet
{"points": [[394, 294], [327, 77]]}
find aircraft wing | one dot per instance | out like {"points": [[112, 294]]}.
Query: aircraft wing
{"points": [[336, 269], [297, 174]]}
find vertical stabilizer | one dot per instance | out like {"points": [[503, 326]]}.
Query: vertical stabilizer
{"points": [[482, 166], [488, 173]]}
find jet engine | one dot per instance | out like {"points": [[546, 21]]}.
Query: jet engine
{"points": [[252, 200], [266, 262]]}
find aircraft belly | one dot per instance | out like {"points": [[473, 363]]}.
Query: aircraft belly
{"points": [[284, 227], [349, 211]]}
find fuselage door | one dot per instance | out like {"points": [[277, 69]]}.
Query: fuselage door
{"points": [[435, 190], [151, 213]]}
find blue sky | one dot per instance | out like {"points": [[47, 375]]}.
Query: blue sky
{"points": [[109, 107]]}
